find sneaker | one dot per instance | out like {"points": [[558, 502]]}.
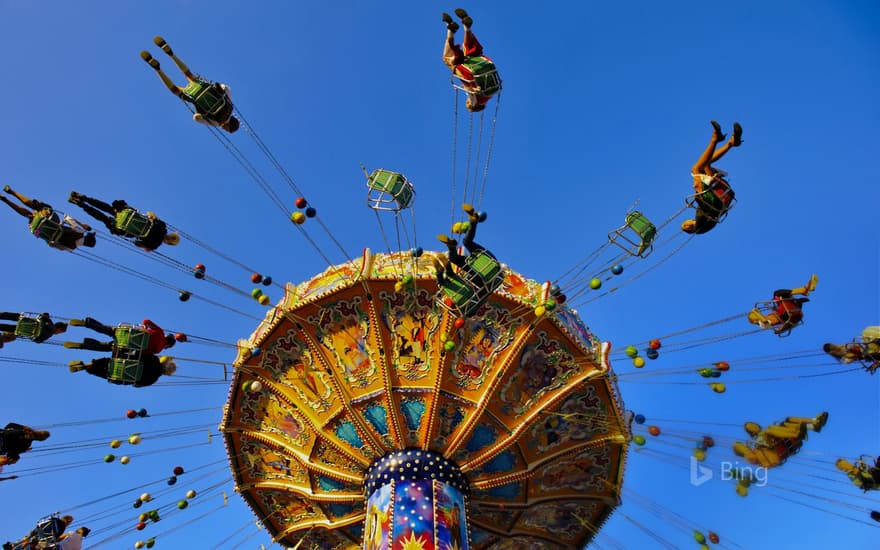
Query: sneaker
{"points": [[467, 22], [452, 26], [159, 41], [814, 280], [716, 130], [7, 189], [72, 345], [145, 55], [76, 366], [737, 134], [461, 13], [446, 18], [76, 323], [447, 240], [74, 197], [820, 421]]}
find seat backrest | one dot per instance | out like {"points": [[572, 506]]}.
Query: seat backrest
{"points": [[485, 74], [124, 371], [133, 222], [205, 96], [131, 338], [46, 227]]}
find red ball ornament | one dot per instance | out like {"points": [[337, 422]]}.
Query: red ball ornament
{"points": [[560, 299], [654, 344], [458, 323], [178, 470], [722, 366], [714, 538], [256, 278], [448, 301], [131, 413], [301, 202], [653, 430], [180, 337], [140, 526]]}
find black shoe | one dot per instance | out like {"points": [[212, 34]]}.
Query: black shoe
{"points": [[159, 41], [461, 13], [145, 55], [446, 17], [737, 134], [74, 197], [467, 22], [452, 26], [716, 128]]}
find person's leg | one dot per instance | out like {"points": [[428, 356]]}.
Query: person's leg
{"points": [[471, 45], [99, 204], [97, 326], [452, 247], [172, 87], [474, 220], [100, 216], [734, 141], [7, 328], [452, 54], [20, 209], [807, 288], [98, 367], [159, 41], [90, 344], [9, 316], [702, 166]]}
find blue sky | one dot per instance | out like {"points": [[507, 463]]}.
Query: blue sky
{"points": [[603, 103]]}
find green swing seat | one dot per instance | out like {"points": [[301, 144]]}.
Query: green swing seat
{"points": [[389, 191], [124, 371], [47, 225], [131, 339], [133, 223], [715, 199], [464, 292], [28, 325], [205, 96], [485, 81], [637, 235]]}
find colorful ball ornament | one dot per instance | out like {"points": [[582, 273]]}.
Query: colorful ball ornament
{"points": [[417, 252], [631, 351], [256, 293], [311, 212], [256, 278], [263, 300], [178, 470], [151, 542], [561, 299], [654, 430], [699, 537], [140, 543], [456, 228], [108, 458], [267, 281], [182, 504], [714, 538], [540, 311], [138, 504], [190, 494], [458, 323], [718, 387], [616, 269], [131, 413], [639, 419], [172, 480], [651, 353], [722, 366], [639, 439], [638, 362], [140, 526], [449, 345], [124, 460], [298, 218], [654, 344], [180, 337], [301, 202], [595, 284], [146, 497], [142, 413], [184, 296], [134, 439], [115, 444], [700, 454]]}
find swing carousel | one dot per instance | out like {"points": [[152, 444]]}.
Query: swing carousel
{"points": [[365, 414]]}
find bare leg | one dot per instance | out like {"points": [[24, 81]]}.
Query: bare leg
{"points": [[33, 203], [702, 165], [452, 54], [20, 209], [172, 87], [159, 41]]}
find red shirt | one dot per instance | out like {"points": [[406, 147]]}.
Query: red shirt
{"points": [[157, 337]]}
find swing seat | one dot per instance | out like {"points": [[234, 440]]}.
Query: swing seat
{"points": [[792, 311], [469, 289], [715, 200], [637, 235], [484, 79], [47, 225], [205, 97], [130, 338], [124, 370], [47, 532], [389, 191], [133, 223], [28, 325]]}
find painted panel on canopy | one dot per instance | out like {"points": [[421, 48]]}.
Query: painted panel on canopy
{"points": [[546, 364], [326, 485], [347, 432], [579, 417], [329, 280], [560, 521], [451, 412], [284, 510], [520, 288], [413, 406], [342, 328], [584, 473], [412, 325], [289, 362], [485, 434], [502, 463], [527, 543], [259, 461], [482, 347], [265, 413], [376, 418], [492, 516], [332, 459], [323, 539]]}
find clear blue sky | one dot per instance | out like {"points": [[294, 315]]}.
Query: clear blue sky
{"points": [[603, 103]]}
